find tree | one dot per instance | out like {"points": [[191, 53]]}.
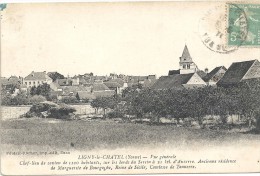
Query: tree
{"points": [[105, 103], [33, 90], [20, 99], [37, 99], [5, 98], [96, 104], [55, 75], [249, 102], [43, 90], [69, 99]]}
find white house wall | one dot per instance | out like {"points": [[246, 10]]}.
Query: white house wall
{"points": [[196, 79], [254, 71]]}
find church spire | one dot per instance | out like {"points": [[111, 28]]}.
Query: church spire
{"points": [[186, 64], [185, 55]]}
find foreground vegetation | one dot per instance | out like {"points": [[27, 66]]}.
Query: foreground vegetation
{"points": [[188, 104], [50, 110], [40, 133]]}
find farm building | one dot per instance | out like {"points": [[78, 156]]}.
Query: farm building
{"points": [[179, 81], [239, 72], [215, 75]]}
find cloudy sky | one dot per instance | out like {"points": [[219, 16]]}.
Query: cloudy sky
{"points": [[129, 38]]}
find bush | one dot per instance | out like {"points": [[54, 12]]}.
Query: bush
{"points": [[6, 99], [115, 114], [69, 99], [41, 107], [20, 99], [37, 99], [62, 112], [50, 110]]}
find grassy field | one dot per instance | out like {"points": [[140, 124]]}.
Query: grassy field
{"points": [[12, 112], [86, 135]]}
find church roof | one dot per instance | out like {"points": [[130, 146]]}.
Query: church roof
{"points": [[186, 55]]}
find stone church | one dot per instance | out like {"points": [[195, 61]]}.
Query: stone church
{"points": [[186, 64]]}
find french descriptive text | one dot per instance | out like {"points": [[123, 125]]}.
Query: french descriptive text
{"points": [[104, 163]]}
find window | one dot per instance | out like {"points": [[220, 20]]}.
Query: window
{"points": [[29, 83], [25, 83], [184, 66], [33, 82], [188, 66], [38, 82]]}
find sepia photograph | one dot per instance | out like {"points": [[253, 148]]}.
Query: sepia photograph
{"points": [[130, 87]]}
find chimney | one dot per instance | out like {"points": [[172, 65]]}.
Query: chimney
{"points": [[206, 70], [32, 73]]}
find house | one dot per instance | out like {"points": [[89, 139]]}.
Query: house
{"points": [[11, 82], [99, 87], [186, 64], [109, 93], [239, 72], [68, 81], [99, 78], [85, 95], [113, 86], [179, 81], [56, 94], [149, 83], [215, 75], [63, 82], [36, 79], [55, 86], [23, 88], [72, 90], [117, 84], [145, 81]]}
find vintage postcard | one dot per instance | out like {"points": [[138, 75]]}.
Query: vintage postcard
{"points": [[130, 87]]}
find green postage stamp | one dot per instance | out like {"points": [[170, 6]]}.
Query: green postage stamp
{"points": [[243, 25]]}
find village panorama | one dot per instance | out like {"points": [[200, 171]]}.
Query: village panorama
{"points": [[189, 105]]}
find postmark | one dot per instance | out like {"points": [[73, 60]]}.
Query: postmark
{"points": [[239, 22], [213, 29]]}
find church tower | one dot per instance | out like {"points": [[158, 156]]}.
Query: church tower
{"points": [[186, 64]]}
